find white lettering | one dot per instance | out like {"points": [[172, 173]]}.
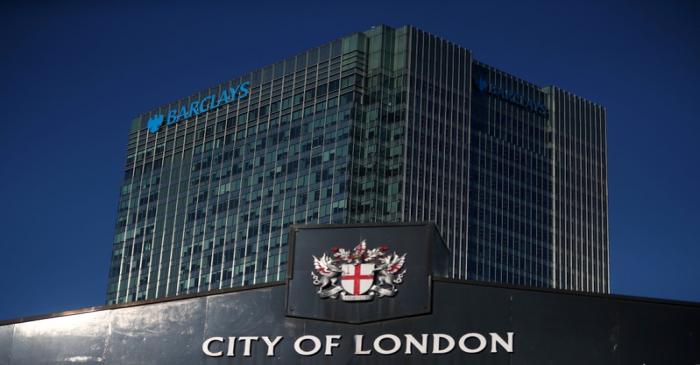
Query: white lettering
{"points": [[436, 343], [378, 344], [330, 344], [231, 346], [315, 349], [384, 344], [247, 343], [358, 346], [271, 344], [496, 339], [421, 346], [463, 343], [207, 343]]}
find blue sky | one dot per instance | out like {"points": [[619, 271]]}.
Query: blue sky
{"points": [[73, 76]]}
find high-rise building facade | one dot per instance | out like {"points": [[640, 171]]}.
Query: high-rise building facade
{"points": [[387, 125]]}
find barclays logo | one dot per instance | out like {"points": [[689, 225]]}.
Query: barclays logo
{"points": [[199, 106], [511, 96], [154, 122], [481, 84]]}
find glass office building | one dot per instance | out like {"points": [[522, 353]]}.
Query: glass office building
{"points": [[386, 125]]}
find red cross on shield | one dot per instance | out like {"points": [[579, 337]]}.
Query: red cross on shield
{"points": [[357, 278]]}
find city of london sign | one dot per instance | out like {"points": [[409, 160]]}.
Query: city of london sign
{"points": [[358, 275]]}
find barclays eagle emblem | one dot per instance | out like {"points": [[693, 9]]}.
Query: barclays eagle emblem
{"points": [[154, 122], [358, 275], [482, 84]]}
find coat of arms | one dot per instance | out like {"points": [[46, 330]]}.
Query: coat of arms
{"points": [[358, 275]]}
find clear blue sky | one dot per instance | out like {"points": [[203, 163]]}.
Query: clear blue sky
{"points": [[73, 75]]}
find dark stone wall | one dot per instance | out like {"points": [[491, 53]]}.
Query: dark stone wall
{"points": [[550, 328]]}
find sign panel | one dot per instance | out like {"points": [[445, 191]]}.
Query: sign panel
{"points": [[357, 274], [469, 324]]}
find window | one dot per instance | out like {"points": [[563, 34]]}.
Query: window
{"points": [[286, 102], [333, 86], [346, 98]]}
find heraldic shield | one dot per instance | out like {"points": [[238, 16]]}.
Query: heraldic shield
{"points": [[358, 274], [357, 279]]}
